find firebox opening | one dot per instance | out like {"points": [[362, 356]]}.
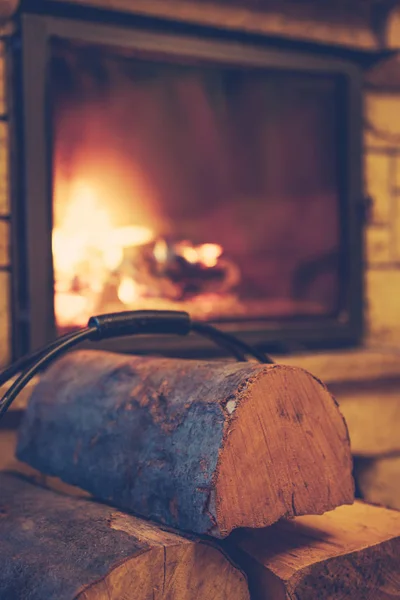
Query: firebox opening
{"points": [[208, 188]]}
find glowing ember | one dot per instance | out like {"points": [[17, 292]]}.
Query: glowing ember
{"points": [[71, 309], [205, 254], [132, 236], [87, 249], [189, 253], [209, 254], [128, 291], [98, 264], [161, 251], [113, 256]]}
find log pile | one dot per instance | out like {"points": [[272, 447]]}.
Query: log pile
{"points": [[206, 448]]}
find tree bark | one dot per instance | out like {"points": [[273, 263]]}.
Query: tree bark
{"points": [[350, 553], [201, 446], [55, 547]]}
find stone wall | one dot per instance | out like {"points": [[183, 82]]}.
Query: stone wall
{"points": [[382, 183]]}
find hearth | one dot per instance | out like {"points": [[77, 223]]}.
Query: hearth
{"points": [[173, 170]]}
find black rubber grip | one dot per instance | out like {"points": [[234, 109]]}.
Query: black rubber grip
{"points": [[140, 322]]}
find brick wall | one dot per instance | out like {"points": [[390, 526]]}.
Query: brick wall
{"points": [[382, 183]]}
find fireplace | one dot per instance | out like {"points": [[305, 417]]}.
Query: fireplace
{"points": [[185, 170]]}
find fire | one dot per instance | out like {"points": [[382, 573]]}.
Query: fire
{"points": [[100, 266], [205, 254], [209, 254], [71, 308], [132, 236], [128, 291], [87, 250]]}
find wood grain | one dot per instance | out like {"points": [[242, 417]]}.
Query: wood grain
{"points": [[56, 547], [350, 553], [200, 446]]}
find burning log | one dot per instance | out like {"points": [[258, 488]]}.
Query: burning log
{"points": [[350, 553], [201, 446], [56, 546]]}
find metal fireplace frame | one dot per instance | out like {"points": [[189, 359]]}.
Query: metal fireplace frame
{"points": [[33, 311]]}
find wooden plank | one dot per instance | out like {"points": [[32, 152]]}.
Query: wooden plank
{"points": [[350, 553], [56, 547], [201, 446], [346, 28]]}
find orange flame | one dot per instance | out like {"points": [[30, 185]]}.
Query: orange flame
{"points": [[97, 263], [87, 249], [205, 254]]}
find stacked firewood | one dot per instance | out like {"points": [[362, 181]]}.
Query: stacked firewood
{"points": [[208, 479]]}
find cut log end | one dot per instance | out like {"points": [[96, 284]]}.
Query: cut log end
{"points": [[287, 447]]}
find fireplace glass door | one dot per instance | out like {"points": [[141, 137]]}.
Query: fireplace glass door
{"points": [[203, 187], [167, 168]]}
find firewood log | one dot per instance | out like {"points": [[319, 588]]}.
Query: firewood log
{"points": [[200, 446], [56, 547], [350, 553]]}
